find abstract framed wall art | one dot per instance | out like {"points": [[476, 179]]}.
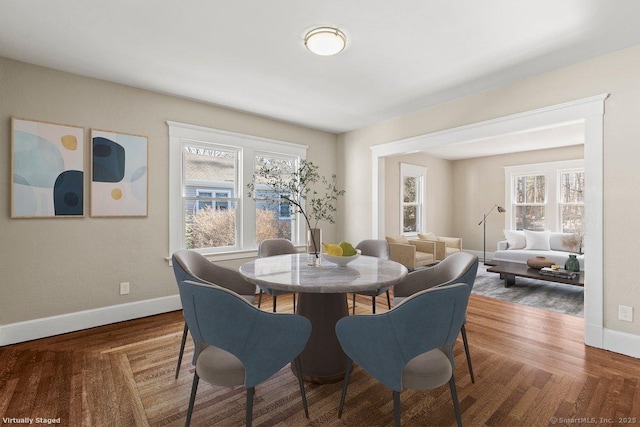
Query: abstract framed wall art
{"points": [[119, 181], [47, 169]]}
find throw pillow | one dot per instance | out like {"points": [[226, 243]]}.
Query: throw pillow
{"points": [[515, 239], [428, 236], [557, 241], [537, 240], [398, 239]]}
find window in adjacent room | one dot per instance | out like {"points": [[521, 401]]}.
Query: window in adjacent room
{"points": [[530, 202], [572, 201], [412, 184], [209, 206], [546, 196]]}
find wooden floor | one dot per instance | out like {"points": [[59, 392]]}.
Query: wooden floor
{"points": [[531, 366]]}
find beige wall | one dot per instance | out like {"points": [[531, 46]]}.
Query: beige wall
{"points": [[64, 265], [617, 74]]}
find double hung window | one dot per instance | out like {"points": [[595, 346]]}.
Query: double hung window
{"points": [[210, 209], [546, 196], [412, 184]]}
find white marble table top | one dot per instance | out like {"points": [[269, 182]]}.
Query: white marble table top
{"points": [[291, 273]]}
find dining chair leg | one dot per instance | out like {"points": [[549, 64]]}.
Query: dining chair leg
{"points": [[260, 298], [249, 416], [373, 305], [275, 298], [388, 300], [353, 311], [294, 303], [301, 383], [467, 353], [344, 387], [192, 399], [182, 344], [396, 408], [454, 397]]}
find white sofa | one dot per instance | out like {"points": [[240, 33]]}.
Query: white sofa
{"points": [[516, 248]]}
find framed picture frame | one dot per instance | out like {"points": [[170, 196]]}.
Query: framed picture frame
{"points": [[119, 179], [47, 169]]}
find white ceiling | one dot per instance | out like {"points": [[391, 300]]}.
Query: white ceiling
{"points": [[249, 55]]}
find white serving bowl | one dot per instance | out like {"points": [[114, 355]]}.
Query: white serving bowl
{"points": [[341, 260]]}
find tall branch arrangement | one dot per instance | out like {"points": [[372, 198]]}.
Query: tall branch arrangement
{"points": [[298, 188]]}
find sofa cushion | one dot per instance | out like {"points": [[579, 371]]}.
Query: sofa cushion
{"points": [[515, 239], [537, 240], [427, 236], [398, 239]]}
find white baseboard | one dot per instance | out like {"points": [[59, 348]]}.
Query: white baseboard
{"points": [[622, 342], [56, 325]]}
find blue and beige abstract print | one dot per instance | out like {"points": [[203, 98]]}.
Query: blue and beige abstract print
{"points": [[48, 167], [118, 174]]}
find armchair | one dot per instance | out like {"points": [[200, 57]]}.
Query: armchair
{"points": [[410, 346], [238, 343], [190, 265], [273, 247], [411, 253], [379, 249], [458, 268], [445, 246]]}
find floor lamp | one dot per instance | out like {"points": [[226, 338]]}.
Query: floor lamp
{"points": [[484, 224]]}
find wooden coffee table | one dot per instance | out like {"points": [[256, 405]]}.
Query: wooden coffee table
{"points": [[510, 270]]}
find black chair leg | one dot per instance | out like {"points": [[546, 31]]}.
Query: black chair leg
{"points": [[396, 408], [301, 383], [259, 298], [249, 416], [184, 341], [373, 305], [192, 399], [294, 303], [388, 300], [344, 387], [466, 351], [454, 397], [353, 311], [275, 298]]}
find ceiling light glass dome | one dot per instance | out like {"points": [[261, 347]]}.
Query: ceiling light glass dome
{"points": [[325, 41]]}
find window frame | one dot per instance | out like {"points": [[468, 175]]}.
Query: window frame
{"points": [[247, 146], [420, 172], [551, 172]]}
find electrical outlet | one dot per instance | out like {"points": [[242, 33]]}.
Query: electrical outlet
{"points": [[625, 313], [124, 288]]}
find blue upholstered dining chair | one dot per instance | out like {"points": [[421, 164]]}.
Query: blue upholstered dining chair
{"points": [[378, 249], [460, 267], [238, 344], [273, 247], [190, 265], [410, 346]]}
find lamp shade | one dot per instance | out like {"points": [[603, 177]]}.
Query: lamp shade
{"points": [[325, 41]]}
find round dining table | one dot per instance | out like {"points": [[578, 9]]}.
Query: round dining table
{"points": [[322, 298]]}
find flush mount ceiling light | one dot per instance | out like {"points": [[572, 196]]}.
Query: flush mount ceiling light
{"points": [[325, 41]]}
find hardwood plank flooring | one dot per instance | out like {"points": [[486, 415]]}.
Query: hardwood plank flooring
{"points": [[531, 366]]}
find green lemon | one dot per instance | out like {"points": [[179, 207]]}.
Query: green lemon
{"points": [[347, 249]]}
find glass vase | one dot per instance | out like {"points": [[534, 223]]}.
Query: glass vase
{"points": [[572, 264], [314, 247]]}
